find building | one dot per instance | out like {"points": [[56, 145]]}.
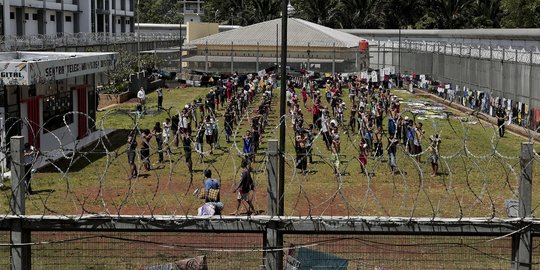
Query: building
{"points": [[192, 10], [256, 47], [50, 97], [58, 17]]}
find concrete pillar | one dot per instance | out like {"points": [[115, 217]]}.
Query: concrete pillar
{"points": [[20, 254]]}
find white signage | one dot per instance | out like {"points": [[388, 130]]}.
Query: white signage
{"points": [[33, 72]]}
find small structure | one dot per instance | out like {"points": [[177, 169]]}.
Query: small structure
{"points": [[50, 97], [252, 48]]}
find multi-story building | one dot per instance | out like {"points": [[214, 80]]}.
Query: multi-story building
{"points": [[193, 10], [55, 17]]}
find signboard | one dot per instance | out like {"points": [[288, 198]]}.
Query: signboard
{"points": [[33, 72]]}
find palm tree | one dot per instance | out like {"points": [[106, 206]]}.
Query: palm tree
{"points": [[450, 14], [487, 13], [359, 14], [324, 12], [265, 10]]}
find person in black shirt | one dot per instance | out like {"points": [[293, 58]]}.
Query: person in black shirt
{"points": [[145, 149], [244, 188], [186, 143], [501, 116], [174, 127], [132, 152]]}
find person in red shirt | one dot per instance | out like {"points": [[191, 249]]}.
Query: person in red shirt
{"points": [[304, 96]]}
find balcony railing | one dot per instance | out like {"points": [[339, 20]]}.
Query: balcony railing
{"points": [[10, 43]]}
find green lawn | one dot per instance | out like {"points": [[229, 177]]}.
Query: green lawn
{"points": [[479, 173]]}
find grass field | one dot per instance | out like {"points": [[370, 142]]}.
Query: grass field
{"points": [[478, 172]]}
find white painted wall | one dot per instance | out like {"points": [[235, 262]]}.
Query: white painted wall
{"points": [[50, 28], [68, 26], [31, 25]]}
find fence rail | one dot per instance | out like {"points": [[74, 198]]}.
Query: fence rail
{"points": [[508, 54], [78, 39]]}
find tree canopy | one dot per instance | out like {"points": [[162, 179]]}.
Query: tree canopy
{"points": [[418, 14]]}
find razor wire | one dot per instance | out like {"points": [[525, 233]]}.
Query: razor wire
{"points": [[479, 170]]}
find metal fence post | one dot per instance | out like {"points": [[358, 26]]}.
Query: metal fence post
{"points": [[272, 170], [232, 57], [273, 238], [522, 242], [334, 59], [258, 52], [20, 255]]}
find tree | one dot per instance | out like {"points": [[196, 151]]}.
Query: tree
{"points": [[447, 14], [323, 12], [521, 13], [160, 11], [487, 14], [359, 14]]}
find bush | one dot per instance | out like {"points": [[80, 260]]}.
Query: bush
{"points": [[115, 88]]}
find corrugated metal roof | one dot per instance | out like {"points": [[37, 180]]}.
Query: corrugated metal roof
{"points": [[300, 33]]}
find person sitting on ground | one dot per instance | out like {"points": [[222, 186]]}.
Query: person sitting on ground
{"points": [[209, 185]]}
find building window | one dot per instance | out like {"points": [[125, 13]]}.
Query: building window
{"points": [[26, 16], [34, 16], [68, 18], [119, 21], [52, 18], [12, 15], [57, 110]]}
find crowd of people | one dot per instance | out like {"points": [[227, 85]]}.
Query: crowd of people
{"points": [[196, 127], [369, 105], [233, 100]]}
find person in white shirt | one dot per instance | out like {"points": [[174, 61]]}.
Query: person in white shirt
{"points": [[166, 136], [141, 95]]}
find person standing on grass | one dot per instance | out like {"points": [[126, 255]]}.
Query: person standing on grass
{"points": [[132, 153], [243, 189], [435, 142], [174, 128], [378, 143], [209, 133], [301, 147], [30, 154], [199, 140], [362, 155], [141, 95], [501, 117], [159, 99], [186, 143], [304, 96], [392, 150], [248, 146], [145, 149], [418, 141], [158, 134], [167, 136]]}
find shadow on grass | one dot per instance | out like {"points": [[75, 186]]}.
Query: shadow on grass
{"points": [[37, 192], [93, 152]]}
